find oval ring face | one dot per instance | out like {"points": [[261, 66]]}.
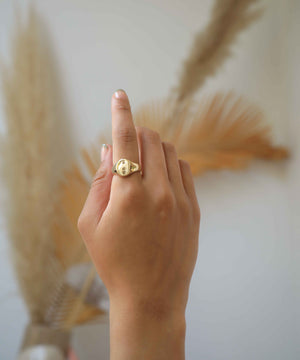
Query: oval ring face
{"points": [[123, 167]]}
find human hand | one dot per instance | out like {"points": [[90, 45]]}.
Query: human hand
{"points": [[142, 230]]}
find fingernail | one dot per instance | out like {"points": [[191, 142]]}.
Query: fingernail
{"points": [[104, 150], [120, 94]]}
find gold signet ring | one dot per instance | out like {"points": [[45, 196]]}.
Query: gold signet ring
{"points": [[125, 167]]}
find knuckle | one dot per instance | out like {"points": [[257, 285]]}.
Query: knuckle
{"points": [[164, 201], [139, 128], [131, 196], [169, 147], [131, 192], [151, 136], [139, 131], [197, 213], [82, 223], [99, 176], [122, 105], [184, 206], [125, 134], [186, 165]]}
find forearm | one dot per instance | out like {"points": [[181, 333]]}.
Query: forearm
{"points": [[137, 333]]}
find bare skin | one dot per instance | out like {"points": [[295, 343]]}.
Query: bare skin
{"points": [[141, 232]]}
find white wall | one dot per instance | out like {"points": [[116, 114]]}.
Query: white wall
{"points": [[244, 293]]}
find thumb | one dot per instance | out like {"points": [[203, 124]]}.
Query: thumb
{"points": [[99, 193]]}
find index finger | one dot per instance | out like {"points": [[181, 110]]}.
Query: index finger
{"points": [[124, 137]]}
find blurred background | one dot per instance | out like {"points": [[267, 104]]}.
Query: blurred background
{"points": [[244, 295]]}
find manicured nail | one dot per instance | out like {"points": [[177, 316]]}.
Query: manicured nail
{"points": [[104, 150], [120, 94]]}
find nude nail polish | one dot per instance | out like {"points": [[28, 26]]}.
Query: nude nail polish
{"points": [[120, 94], [104, 149]]}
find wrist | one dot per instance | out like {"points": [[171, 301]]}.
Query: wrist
{"points": [[146, 329]]}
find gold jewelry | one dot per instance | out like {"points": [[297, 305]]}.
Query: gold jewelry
{"points": [[125, 167]]}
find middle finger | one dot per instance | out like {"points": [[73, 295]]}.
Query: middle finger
{"points": [[152, 156]]}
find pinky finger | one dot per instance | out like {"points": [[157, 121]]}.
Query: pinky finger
{"points": [[189, 186]]}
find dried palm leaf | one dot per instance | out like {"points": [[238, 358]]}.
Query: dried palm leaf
{"points": [[70, 248], [212, 46], [220, 132]]}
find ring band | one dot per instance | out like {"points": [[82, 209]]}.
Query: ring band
{"points": [[125, 167]]}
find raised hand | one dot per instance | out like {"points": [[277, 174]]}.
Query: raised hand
{"points": [[141, 232]]}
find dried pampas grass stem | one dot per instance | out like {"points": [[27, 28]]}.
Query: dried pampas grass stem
{"points": [[40, 222], [28, 169], [212, 46]]}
